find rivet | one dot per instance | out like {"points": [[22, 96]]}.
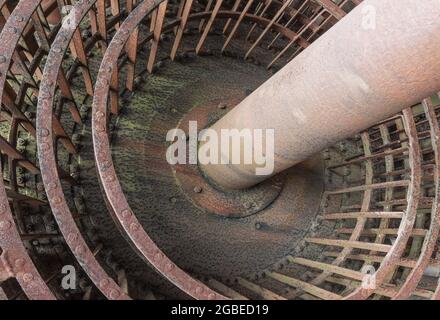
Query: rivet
{"points": [[104, 283], [100, 114], [134, 227], [72, 237], [19, 263], [57, 200], [211, 296], [2, 59], [27, 277], [158, 256], [80, 250], [44, 146], [169, 267], [222, 106], [44, 132], [5, 225], [114, 294], [126, 213], [51, 185]]}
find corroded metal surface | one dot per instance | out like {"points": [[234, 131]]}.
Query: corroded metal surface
{"points": [[380, 205], [119, 206], [211, 198], [359, 87], [47, 158]]}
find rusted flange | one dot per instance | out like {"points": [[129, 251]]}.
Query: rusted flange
{"points": [[212, 198]]}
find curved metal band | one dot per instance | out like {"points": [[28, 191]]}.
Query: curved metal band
{"points": [[120, 209], [407, 222], [47, 158], [431, 237], [14, 255], [15, 258]]}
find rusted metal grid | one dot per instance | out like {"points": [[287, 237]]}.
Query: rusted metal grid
{"points": [[399, 197]]}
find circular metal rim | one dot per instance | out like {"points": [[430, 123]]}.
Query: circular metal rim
{"points": [[120, 208], [407, 222], [22, 266], [414, 275], [48, 163]]}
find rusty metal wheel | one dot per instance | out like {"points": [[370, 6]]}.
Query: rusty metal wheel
{"points": [[89, 89]]}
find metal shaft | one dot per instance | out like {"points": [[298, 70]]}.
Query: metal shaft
{"points": [[381, 58]]}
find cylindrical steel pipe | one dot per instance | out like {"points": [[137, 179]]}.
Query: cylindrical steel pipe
{"points": [[381, 58]]}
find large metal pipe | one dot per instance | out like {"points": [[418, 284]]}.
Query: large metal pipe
{"points": [[381, 58]]}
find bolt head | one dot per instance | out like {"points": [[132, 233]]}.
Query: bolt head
{"points": [[173, 200], [198, 189], [248, 205], [222, 105]]}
